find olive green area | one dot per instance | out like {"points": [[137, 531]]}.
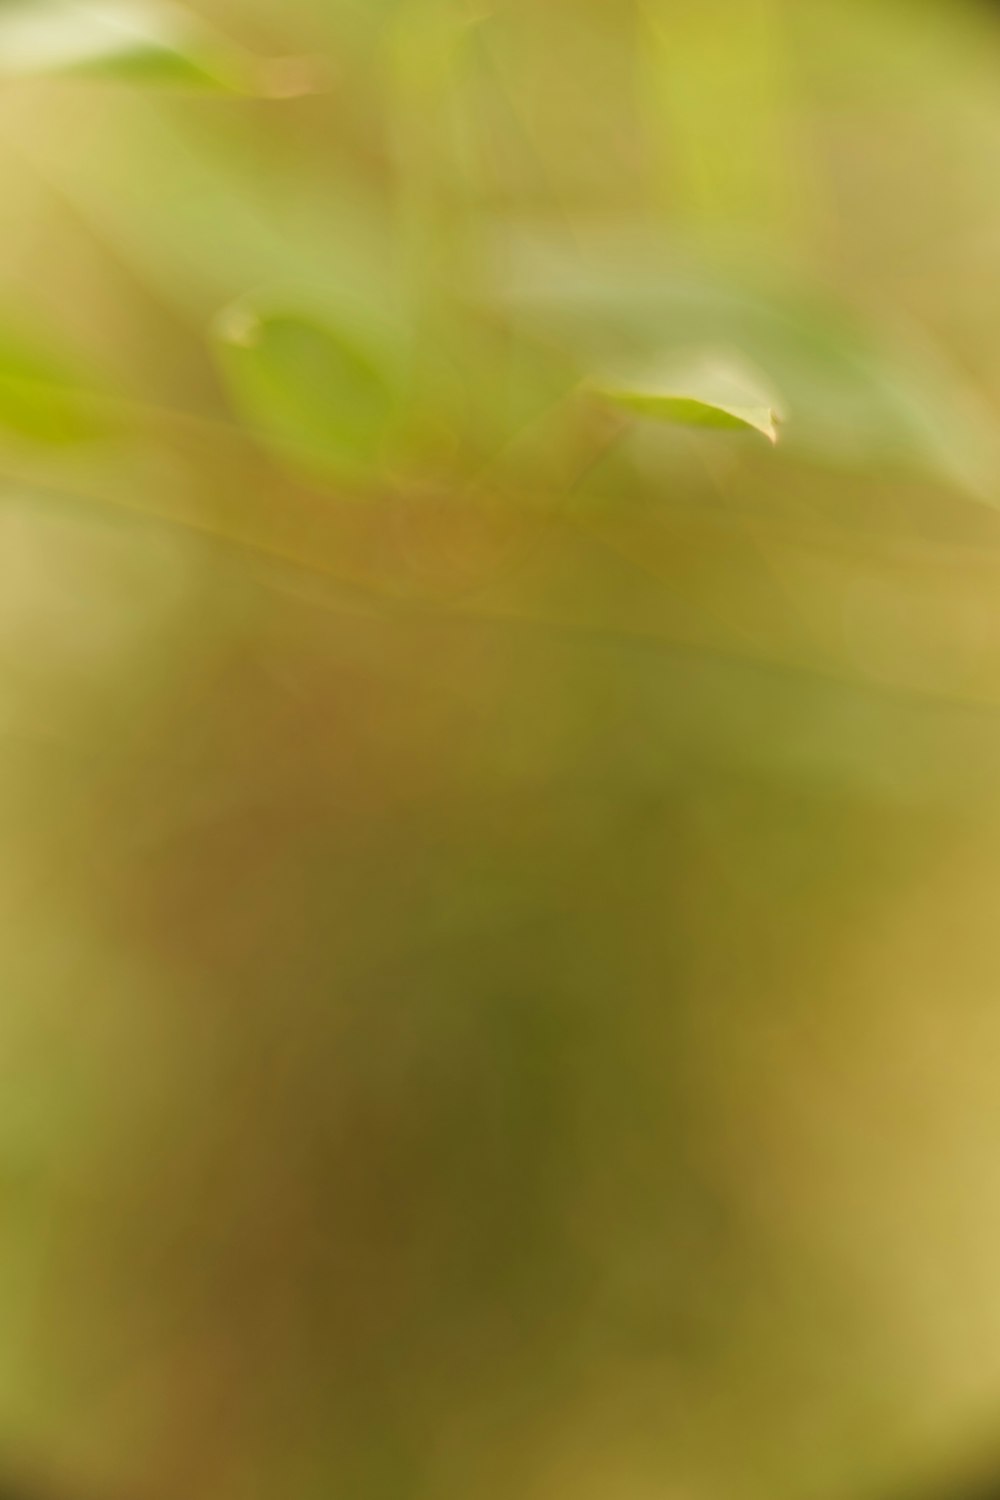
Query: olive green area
{"points": [[499, 865]]}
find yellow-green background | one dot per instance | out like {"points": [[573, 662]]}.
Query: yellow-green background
{"points": [[500, 927]]}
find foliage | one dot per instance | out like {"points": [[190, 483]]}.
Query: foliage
{"points": [[498, 863]]}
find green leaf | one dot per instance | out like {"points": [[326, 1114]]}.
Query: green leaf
{"points": [[868, 397], [316, 393], [700, 390], [145, 41]]}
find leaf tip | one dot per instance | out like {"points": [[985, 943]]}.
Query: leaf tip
{"points": [[239, 324]]}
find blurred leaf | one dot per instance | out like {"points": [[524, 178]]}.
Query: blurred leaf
{"points": [[862, 397], [314, 391], [699, 391], [141, 40], [41, 400], [218, 222]]}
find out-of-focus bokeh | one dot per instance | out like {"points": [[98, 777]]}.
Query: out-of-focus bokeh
{"points": [[499, 748]]}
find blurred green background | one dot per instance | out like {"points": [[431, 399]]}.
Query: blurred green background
{"points": [[500, 863]]}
